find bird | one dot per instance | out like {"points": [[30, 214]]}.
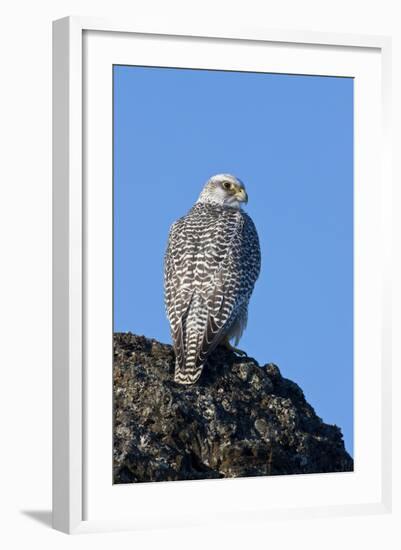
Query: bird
{"points": [[211, 264]]}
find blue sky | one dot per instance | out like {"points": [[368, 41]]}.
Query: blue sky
{"points": [[290, 139]]}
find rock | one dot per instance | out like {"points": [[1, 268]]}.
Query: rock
{"points": [[240, 419]]}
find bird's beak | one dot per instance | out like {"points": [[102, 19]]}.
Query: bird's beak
{"points": [[242, 196]]}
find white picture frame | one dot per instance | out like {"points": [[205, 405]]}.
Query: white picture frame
{"points": [[74, 478]]}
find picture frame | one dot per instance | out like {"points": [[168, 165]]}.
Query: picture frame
{"points": [[80, 44]]}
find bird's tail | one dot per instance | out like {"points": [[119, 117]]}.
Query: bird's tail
{"points": [[189, 366]]}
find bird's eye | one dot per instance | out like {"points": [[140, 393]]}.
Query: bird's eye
{"points": [[227, 185]]}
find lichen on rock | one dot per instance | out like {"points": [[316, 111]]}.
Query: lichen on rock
{"points": [[240, 419]]}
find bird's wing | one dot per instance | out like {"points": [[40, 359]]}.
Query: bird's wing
{"points": [[233, 281], [177, 295]]}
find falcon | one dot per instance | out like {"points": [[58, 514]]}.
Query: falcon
{"points": [[211, 265]]}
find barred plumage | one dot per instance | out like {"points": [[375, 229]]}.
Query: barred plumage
{"points": [[211, 265]]}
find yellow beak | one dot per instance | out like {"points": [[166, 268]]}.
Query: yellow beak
{"points": [[242, 196]]}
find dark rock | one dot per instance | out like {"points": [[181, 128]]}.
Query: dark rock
{"points": [[240, 419]]}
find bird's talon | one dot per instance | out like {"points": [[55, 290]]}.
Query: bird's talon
{"points": [[235, 350]]}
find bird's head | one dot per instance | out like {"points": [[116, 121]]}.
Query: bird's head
{"points": [[224, 190]]}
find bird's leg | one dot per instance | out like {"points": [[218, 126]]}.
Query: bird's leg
{"points": [[227, 345]]}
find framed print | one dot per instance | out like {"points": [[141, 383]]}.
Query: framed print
{"points": [[220, 275]]}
